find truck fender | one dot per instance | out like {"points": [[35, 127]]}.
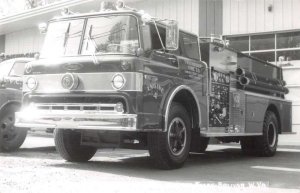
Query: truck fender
{"points": [[170, 99]]}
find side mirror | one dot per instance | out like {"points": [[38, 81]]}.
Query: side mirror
{"points": [[172, 35], [43, 28]]}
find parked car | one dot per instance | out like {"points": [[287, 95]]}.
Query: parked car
{"points": [[11, 72]]}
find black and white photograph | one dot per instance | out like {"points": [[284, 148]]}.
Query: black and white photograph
{"points": [[149, 96]]}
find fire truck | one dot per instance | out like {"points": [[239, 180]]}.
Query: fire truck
{"points": [[120, 78]]}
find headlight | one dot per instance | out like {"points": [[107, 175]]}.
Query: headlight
{"points": [[31, 83], [118, 81]]}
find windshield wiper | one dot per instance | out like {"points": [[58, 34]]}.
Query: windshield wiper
{"points": [[66, 38], [91, 41]]}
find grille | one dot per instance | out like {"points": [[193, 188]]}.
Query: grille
{"points": [[77, 107], [76, 103]]}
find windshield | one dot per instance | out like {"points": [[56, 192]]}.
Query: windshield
{"points": [[103, 35], [63, 38], [111, 34]]}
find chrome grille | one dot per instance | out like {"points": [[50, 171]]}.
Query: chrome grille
{"points": [[107, 108]]}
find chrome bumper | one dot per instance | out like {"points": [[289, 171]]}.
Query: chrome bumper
{"points": [[82, 120]]}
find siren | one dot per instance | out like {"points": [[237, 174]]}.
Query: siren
{"points": [[66, 11], [111, 6], [107, 6], [120, 4]]}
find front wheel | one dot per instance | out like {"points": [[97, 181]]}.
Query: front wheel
{"points": [[11, 138], [170, 150], [67, 143]]}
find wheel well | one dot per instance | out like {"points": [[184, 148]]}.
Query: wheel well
{"points": [[8, 104], [185, 98], [273, 109]]}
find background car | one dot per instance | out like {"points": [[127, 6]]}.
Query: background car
{"points": [[11, 72]]}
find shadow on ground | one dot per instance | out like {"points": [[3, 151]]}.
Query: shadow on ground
{"points": [[228, 165], [222, 165]]}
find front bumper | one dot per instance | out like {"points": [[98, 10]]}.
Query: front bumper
{"points": [[76, 120]]}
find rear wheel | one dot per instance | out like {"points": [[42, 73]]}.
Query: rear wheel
{"points": [[67, 143], [11, 137], [170, 150], [266, 144]]}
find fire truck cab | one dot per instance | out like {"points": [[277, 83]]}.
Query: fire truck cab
{"points": [[120, 78]]}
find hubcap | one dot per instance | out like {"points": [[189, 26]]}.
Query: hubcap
{"points": [[177, 136], [271, 134], [7, 128]]}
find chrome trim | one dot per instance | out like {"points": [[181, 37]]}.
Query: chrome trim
{"points": [[82, 107], [220, 132], [228, 134], [266, 96], [89, 82], [179, 88], [61, 119]]}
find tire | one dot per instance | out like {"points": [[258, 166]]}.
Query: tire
{"points": [[169, 150], [266, 144], [248, 145], [203, 143], [199, 144], [11, 138], [67, 143]]}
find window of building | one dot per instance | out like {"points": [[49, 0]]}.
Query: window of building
{"points": [[239, 43], [288, 55], [266, 56], [262, 42], [288, 40], [275, 47]]}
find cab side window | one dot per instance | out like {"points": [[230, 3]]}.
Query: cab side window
{"points": [[189, 46], [156, 44]]}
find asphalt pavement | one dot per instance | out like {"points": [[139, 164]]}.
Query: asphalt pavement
{"points": [[37, 167]]}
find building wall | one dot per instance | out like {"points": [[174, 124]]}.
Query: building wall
{"points": [[186, 12], [210, 17], [2, 43], [25, 41], [254, 16]]}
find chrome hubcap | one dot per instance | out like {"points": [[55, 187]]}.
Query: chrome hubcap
{"points": [[177, 136]]}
